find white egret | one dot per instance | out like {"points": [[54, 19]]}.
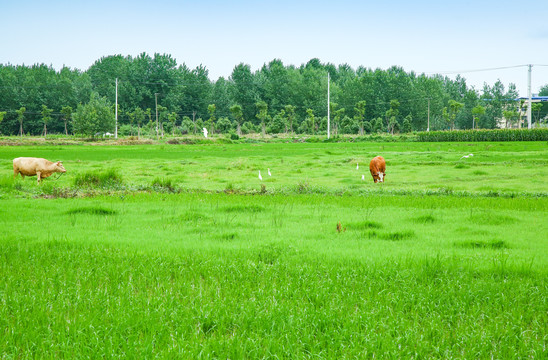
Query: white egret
{"points": [[205, 132], [357, 166], [269, 174], [260, 177], [363, 177], [467, 156]]}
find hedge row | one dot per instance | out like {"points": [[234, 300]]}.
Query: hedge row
{"points": [[485, 135]]}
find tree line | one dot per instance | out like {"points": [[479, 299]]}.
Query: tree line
{"points": [[277, 98]]}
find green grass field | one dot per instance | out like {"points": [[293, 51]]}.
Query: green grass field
{"points": [[186, 255]]}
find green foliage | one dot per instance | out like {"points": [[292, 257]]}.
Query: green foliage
{"points": [[236, 111], [262, 115], [20, 117], [46, 117], [377, 125], [485, 135], [277, 124], [224, 125], [94, 117], [66, 114], [365, 93], [406, 127]]}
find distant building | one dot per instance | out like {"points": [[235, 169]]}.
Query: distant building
{"points": [[522, 107]]}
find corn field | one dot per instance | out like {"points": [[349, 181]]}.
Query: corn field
{"points": [[485, 135]]}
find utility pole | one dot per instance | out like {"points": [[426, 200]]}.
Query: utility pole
{"points": [[529, 96], [116, 113], [428, 127], [156, 97], [328, 121]]}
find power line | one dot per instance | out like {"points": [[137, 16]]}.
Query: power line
{"points": [[478, 70]]}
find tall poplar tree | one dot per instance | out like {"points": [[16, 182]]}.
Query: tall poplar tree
{"points": [[46, 117]]}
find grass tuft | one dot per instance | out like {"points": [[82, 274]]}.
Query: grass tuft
{"points": [[364, 225], [477, 244], [491, 218], [164, 185], [107, 178], [425, 219], [479, 172], [243, 209], [228, 236], [96, 210], [397, 235], [6, 183]]}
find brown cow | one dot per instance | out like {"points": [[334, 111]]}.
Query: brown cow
{"points": [[377, 166], [42, 168]]}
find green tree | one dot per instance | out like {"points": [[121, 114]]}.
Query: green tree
{"points": [[46, 117], [66, 114], [360, 115], [2, 114], [242, 89], [535, 109], [450, 113], [94, 117], [20, 118], [187, 125], [510, 116], [162, 117], [236, 111], [224, 125], [496, 101], [211, 121], [131, 117], [139, 115], [172, 118], [377, 125], [148, 115], [308, 124], [262, 114], [339, 114], [406, 126], [290, 113], [392, 116], [350, 125], [278, 123], [477, 112]]}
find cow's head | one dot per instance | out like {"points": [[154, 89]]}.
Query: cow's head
{"points": [[59, 167], [381, 176]]}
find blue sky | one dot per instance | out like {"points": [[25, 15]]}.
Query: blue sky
{"points": [[421, 36]]}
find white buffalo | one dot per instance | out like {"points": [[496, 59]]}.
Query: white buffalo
{"points": [[42, 168]]}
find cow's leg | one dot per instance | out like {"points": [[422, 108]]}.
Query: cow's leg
{"points": [[38, 173]]}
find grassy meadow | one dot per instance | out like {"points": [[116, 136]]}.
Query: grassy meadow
{"points": [[180, 251]]}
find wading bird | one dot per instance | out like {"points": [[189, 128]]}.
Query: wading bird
{"points": [[205, 132], [466, 156], [357, 166], [269, 174], [260, 177]]}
